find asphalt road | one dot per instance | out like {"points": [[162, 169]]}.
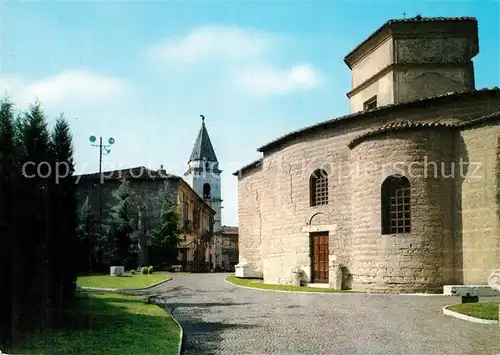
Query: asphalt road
{"points": [[220, 318]]}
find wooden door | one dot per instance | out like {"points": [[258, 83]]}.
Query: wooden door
{"points": [[319, 257]]}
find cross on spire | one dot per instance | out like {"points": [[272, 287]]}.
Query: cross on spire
{"points": [[202, 119]]}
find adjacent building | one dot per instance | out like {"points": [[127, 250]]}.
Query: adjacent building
{"points": [[149, 187], [229, 247], [205, 244], [403, 193]]}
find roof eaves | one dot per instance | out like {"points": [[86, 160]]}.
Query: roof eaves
{"points": [[398, 126], [417, 18], [366, 113], [254, 164], [405, 125], [492, 117]]}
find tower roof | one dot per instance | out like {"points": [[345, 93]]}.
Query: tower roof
{"points": [[203, 147]]}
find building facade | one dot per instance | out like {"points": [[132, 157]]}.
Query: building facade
{"points": [[229, 247], [149, 187], [400, 195]]}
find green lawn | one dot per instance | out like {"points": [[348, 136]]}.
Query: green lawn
{"points": [[108, 324], [483, 310], [256, 283], [122, 282]]}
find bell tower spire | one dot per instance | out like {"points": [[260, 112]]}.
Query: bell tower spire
{"points": [[203, 174]]}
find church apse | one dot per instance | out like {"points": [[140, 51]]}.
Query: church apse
{"points": [[402, 212]]}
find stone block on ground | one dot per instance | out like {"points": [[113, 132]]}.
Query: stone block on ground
{"points": [[246, 270], [116, 270], [494, 280]]}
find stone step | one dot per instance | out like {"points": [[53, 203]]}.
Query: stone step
{"points": [[472, 290]]}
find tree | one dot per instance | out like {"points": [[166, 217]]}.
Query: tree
{"points": [[121, 223], [86, 236], [34, 233], [37, 221], [64, 248], [165, 239], [8, 170]]}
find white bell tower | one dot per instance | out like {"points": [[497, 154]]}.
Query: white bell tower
{"points": [[203, 173]]}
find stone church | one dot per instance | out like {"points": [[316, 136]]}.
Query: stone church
{"points": [[400, 195]]}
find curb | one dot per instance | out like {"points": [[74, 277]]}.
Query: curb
{"points": [[339, 293], [125, 290], [181, 334], [307, 292], [447, 312]]}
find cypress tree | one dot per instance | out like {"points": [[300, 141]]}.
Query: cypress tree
{"points": [[8, 170], [64, 237], [35, 216], [121, 223], [85, 236], [165, 239]]}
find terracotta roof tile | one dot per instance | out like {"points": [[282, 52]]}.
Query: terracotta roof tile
{"points": [[493, 117], [406, 125], [253, 164], [360, 114], [396, 126]]}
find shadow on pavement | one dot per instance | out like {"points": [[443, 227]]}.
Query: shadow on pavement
{"points": [[205, 338], [201, 336], [204, 305]]}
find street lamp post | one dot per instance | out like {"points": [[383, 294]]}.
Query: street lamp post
{"points": [[107, 150]]}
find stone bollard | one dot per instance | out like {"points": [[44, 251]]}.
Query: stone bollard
{"points": [[494, 279], [494, 283], [296, 276]]}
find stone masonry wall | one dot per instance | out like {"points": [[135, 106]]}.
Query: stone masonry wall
{"points": [[421, 260], [414, 83], [380, 58], [431, 50], [480, 205], [273, 201], [250, 220]]}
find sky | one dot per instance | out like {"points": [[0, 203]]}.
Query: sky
{"points": [[144, 72]]}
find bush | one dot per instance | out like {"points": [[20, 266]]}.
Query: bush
{"points": [[144, 270], [150, 269]]}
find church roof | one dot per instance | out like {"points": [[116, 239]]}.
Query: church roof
{"points": [[406, 125], [451, 96], [134, 173], [203, 146], [396, 126], [254, 164]]}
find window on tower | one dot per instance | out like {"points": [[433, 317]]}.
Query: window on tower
{"points": [[206, 191]]}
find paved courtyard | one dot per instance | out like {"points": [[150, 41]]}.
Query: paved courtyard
{"points": [[220, 318]]}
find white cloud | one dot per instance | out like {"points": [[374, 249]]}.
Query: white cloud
{"points": [[214, 42], [71, 87], [268, 81], [245, 59]]}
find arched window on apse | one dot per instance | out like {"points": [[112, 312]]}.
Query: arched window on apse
{"points": [[318, 188], [396, 203]]}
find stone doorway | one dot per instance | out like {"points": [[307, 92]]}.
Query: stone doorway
{"points": [[319, 257]]}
